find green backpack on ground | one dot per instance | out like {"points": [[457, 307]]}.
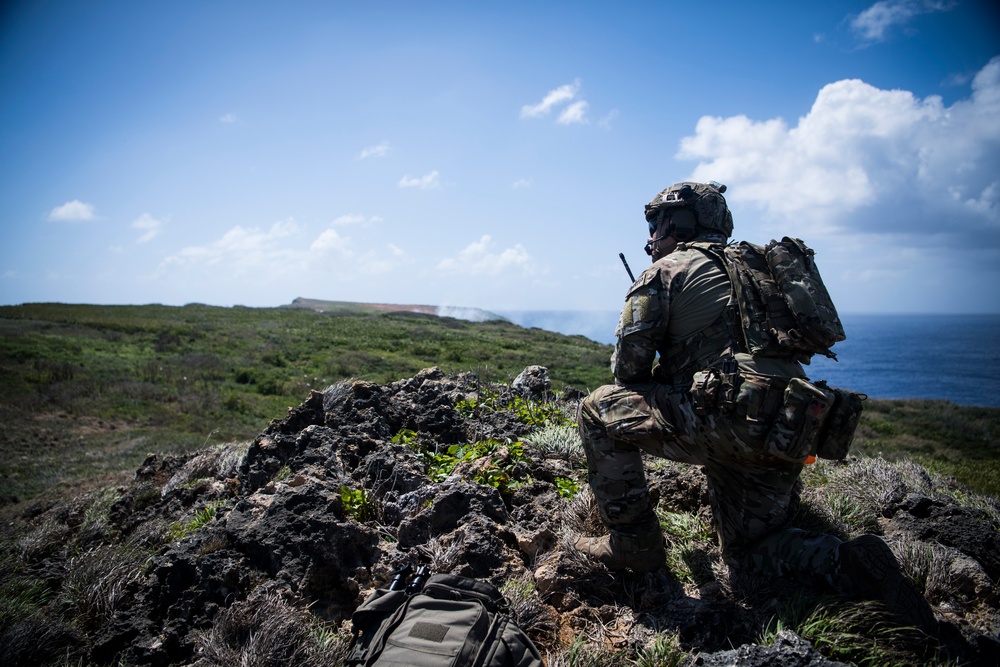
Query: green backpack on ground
{"points": [[448, 621]]}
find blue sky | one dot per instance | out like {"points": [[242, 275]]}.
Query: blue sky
{"points": [[495, 154]]}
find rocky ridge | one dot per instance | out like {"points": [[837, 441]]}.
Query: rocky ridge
{"points": [[278, 541]]}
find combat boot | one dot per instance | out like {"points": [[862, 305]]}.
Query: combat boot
{"points": [[868, 569], [617, 551]]}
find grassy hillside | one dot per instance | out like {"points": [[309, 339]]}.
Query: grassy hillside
{"points": [[88, 390]]}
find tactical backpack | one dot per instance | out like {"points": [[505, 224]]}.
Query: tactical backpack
{"points": [[784, 307], [443, 620]]}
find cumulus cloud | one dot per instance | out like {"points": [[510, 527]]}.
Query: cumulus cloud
{"points": [[873, 23], [478, 259], [329, 241], [425, 182], [870, 159], [149, 225], [73, 211], [520, 183], [227, 118], [379, 150], [280, 255], [240, 247]]}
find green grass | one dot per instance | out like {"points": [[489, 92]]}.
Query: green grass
{"points": [[87, 391], [948, 439]]}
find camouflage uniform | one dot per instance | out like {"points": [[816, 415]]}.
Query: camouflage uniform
{"points": [[678, 305], [711, 403]]}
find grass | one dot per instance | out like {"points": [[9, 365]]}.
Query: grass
{"points": [[948, 439], [857, 633], [88, 391]]}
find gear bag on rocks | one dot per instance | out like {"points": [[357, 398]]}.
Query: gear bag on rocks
{"points": [[448, 621]]}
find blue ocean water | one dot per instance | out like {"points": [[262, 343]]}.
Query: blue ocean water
{"points": [[950, 357]]}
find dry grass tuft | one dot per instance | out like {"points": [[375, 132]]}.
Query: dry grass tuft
{"points": [[267, 631]]}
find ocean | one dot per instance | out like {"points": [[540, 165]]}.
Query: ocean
{"points": [[948, 357]]}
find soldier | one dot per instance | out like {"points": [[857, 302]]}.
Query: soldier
{"points": [[684, 308]]}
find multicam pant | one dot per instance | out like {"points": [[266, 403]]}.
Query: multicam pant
{"points": [[750, 491]]}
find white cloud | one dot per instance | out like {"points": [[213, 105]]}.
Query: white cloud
{"points": [[355, 219], [240, 248], [150, 225], [553, 98], [349, 219], [227, 118], [478, 259], [869, 159], [873, 23], [329, 241], [73, 211], [608, 118], [574, 113], [426, 182], [520, 183], [379, 150]]}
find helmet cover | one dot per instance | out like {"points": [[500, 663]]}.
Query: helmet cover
{"points": [[704, 199]]}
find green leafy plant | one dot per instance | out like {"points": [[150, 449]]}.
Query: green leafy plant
{"points": [[405, 436], [357, 504], [495, 472], [567, 487], [532, 413]]}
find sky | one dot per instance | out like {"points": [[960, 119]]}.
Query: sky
{"points": [[492, 155]]}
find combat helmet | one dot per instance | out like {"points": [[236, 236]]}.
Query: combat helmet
{"points": [[703, 200]]}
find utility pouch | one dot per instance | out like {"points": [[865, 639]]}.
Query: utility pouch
{"points": [[795, 432], [838, 430], [757, 399], [714, 390], [705, 390]]}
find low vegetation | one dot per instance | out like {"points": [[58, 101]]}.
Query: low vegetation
{"points": [[88, 390]]}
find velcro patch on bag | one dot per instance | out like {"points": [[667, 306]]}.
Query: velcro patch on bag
{"points": [[434, 632]]}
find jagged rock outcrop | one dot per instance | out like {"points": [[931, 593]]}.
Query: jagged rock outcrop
{"points": [[324, 504]]}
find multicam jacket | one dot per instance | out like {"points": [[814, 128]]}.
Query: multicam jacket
{"points": [[679, 308]]}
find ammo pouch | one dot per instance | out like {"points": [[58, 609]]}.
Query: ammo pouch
{"points": [[838, 430], [795, 432], [795, 418]]}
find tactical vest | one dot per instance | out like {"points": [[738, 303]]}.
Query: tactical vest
{"points": [[778, 307]]}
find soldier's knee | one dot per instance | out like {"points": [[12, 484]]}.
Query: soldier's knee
{"points": [[588, 415]]}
